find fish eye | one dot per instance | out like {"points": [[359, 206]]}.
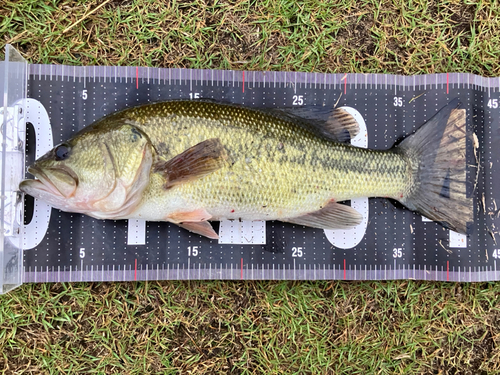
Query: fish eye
{"points": [[62, 152]]}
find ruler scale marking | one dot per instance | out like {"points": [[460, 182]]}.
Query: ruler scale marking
{"points": [[304, 82]]}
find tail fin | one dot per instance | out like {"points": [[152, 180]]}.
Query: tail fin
{"points": [[437, 153]]}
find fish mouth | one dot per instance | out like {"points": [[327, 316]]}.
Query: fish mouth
{"points": [[44, 183], [41, 182]]}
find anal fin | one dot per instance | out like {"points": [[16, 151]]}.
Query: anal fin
{"points": [[332, 216]]}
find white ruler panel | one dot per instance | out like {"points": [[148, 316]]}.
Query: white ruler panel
{"points": [[242, 232]]}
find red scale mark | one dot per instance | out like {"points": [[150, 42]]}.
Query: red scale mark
{"points": [[136, 77], [344, 269], [243, 81], [447, 270], [447, 83], [135, 270], [345, 84], [241, 270]]}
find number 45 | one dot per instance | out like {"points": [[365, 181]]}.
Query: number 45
{"points": [[493, 103]]}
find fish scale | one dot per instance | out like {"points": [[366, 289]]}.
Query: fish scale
{"points": [[268, 162]]}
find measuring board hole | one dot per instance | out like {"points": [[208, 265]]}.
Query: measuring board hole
{"points": [[29, 203], [30, 145]]}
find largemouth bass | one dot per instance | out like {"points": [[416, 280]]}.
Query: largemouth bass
{"points": [[190, 162]]}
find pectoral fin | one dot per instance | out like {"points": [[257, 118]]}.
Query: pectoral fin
{"points": [[203, 228], [182, 216], [332, 216], [196, 162], [194, 221]]}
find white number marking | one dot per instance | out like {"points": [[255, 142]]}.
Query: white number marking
{"points": [[297, 252], [194, 95], [298, 100], [193, 251], [398, 101], [493, 103]]}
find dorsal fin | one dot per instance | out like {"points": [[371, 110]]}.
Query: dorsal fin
{"points": [[342, 124], [337, 124]]}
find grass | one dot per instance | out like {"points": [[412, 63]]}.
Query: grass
{"points": [[251, 327], [255, 327], [343, 36]]}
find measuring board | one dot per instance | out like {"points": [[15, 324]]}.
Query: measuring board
{"points": [[391, 243]]}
